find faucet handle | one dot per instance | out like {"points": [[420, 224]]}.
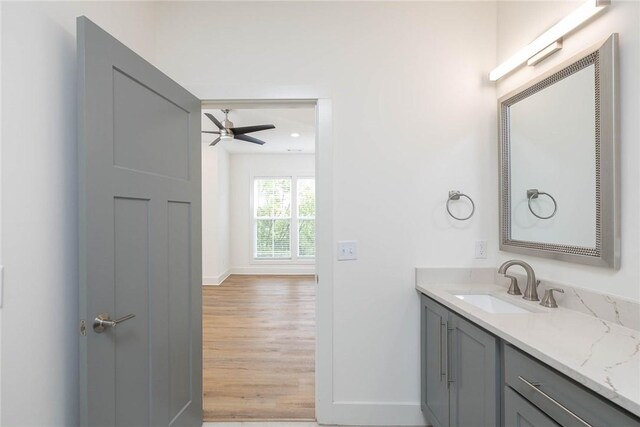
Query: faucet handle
{"points": [[513, 287], [548, 300]]}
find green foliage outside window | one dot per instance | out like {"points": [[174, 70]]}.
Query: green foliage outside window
{"points": [[272, 213], [306, 217]]}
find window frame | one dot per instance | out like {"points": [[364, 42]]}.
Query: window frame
{"points": [[294, 259]]}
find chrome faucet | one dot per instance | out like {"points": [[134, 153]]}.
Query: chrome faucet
{"points": [[531, 292]]}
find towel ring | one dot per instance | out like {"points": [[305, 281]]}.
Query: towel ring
{"points": [[455, 195], [533, 194]]}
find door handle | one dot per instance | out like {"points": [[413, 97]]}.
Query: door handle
{"points": [[103, 321], [451, 353], [443, 349]]}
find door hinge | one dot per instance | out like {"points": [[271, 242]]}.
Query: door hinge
{"points": [[83, 328]]}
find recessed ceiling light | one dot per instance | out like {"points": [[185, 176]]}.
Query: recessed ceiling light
{"points": [[295, 135]]}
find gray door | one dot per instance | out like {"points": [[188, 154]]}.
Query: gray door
{"points": [[140, 234], [434, 364], [474, 375]]}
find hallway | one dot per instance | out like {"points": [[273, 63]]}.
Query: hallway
{"points": [[259, 348]]}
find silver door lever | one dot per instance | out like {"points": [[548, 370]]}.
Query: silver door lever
{"points": [[103, 321]]}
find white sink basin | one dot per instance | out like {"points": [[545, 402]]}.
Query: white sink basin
{"points": [[492, 304]]}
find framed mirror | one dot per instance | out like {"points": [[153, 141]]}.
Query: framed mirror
{"points": [[559, 189]]}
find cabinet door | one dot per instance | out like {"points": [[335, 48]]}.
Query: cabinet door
{"points": [[474, 375], [435, 391], [520, 413]]}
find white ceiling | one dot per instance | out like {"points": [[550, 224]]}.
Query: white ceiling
{"points": [[278, 140]]}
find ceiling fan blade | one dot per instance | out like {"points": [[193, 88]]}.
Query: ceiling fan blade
{"points": [[249, 129], [214, 120], [211, 131], [215, 142], [249, 139]]}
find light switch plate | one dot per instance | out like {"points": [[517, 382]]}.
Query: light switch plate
{"points": [[347, 250]]}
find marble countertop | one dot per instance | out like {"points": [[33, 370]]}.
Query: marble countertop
{"points": [[601, 355]]}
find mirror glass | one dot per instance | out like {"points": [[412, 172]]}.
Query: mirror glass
{"points": [[553, 151], [558, 155]]}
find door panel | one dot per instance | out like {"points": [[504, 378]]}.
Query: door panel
{"points": [[435, 390], [140, 244], [131, 341], [142, 115], [474, 392], [180, 367]]}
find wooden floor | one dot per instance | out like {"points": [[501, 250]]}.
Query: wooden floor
{"points": [[259, 348]]}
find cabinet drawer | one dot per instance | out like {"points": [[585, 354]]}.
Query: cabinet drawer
{"points": [[520, 413], [562, 399]]}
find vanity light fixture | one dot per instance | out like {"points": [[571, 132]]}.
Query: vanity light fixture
{"points": [[547, 51], [548, 38]]}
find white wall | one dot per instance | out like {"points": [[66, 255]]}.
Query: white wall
{"points": [[518, 24], [243, 167], [224, 219], [215, 214], [39, 201], [413, 117]]}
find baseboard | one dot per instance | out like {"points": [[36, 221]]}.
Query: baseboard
{"points": [[279, 270], [210, 281], [374, 414], [224, 276], [369, 414], [215, 281]]}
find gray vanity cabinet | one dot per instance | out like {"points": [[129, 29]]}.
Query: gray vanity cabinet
{"points": [[471, 378], [460, 373]]}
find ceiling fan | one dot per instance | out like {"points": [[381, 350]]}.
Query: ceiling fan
{"points": [[228, 132]]}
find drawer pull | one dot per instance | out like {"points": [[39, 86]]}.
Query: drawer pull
{"points": [[561, 406], [443, 351], [450, 369]]}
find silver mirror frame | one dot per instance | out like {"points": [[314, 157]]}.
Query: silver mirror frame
{"points": [[604, 56]]}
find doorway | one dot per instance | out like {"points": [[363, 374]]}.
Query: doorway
{"points": [[259, 293]]}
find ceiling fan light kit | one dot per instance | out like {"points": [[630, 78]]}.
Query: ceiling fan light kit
{"points": [[228, 132]]}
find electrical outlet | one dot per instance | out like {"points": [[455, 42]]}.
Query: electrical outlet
{"points": [[347, 250], [481, 249]]}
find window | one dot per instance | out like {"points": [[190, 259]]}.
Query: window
{"points": [[284, 218], [306, 201], [272, 206]]}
